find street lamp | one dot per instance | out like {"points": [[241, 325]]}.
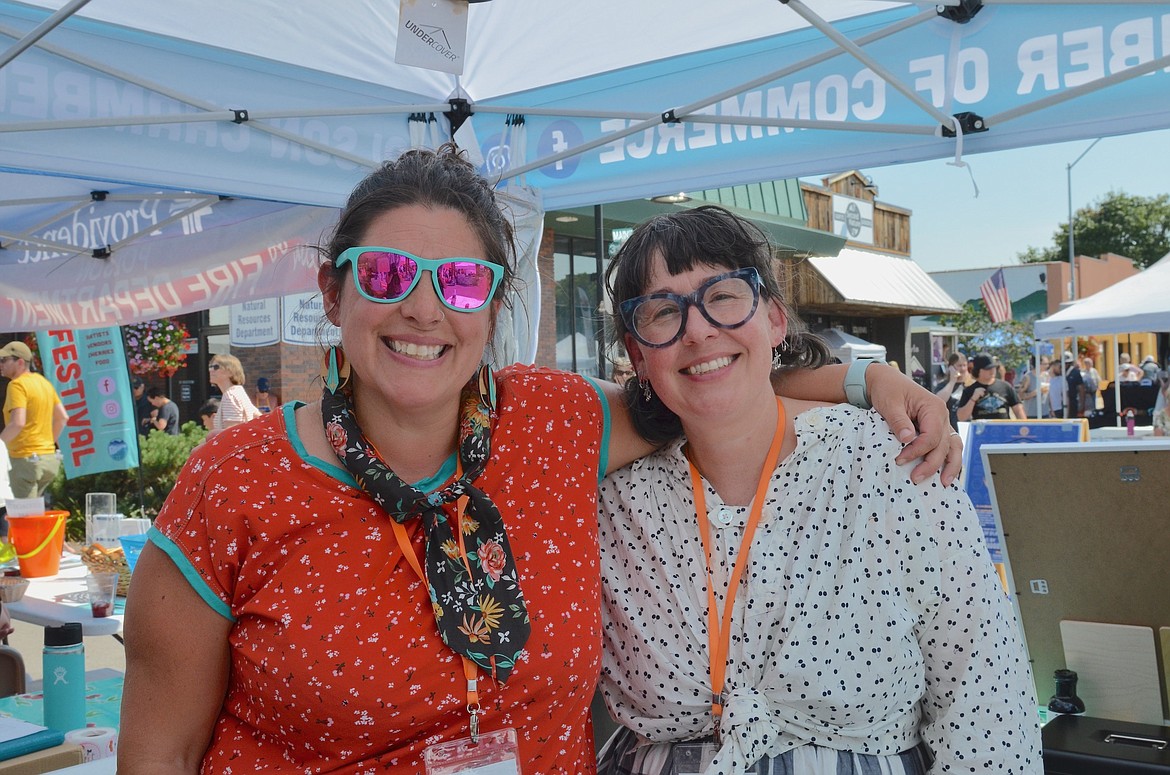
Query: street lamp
{"points": [[1072, 256]]}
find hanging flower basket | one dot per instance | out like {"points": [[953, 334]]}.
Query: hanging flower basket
{"points": [[156, 347]]}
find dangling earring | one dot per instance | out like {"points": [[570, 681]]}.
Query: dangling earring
{"points": [[644, 385], [336, 377], [778, 354]]}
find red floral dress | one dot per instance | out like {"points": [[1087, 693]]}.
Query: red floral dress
{"points": [[336, 664]]}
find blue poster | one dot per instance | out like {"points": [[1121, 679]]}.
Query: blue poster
{"points": [[88, 370], [982, 432]]}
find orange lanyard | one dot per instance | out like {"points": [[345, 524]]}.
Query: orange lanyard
{"points": [[719, 635], [470, 672]]}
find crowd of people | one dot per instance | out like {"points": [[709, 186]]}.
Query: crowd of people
{"points": [[155, 410], [1069, 386]]}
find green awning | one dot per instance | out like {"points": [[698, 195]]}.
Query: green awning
{"points": [[786, 233]]}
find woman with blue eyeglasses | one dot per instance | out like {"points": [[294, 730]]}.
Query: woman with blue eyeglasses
{"points": [[404, 575], [780, 596]]}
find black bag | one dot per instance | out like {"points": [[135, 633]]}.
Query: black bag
{"points": [[1083, 745]]}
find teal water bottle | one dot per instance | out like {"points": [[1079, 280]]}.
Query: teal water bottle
{"points": [[64, 677]]}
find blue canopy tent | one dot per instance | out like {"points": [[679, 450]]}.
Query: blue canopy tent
{"points": [[579, 103], [294, 103]]}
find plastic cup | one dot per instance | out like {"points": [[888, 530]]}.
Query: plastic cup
{"points": [[103, 591], [101, 518]]}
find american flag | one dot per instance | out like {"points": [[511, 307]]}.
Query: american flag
{"points": [[995, 296]]}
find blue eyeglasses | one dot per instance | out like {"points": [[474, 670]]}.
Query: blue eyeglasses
{"points": [[727, 300], [388, 275]]}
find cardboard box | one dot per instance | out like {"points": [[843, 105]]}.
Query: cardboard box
{"points": [[55, 758]]}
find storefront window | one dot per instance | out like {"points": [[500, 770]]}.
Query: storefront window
{"points": [[580, 323]]}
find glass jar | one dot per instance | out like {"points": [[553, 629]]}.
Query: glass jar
{"points": [[1066, 700]]}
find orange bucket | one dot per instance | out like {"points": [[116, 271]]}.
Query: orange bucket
{"points": [[38, 541]]}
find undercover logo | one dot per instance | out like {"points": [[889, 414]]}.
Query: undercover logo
{"points": [[434, 36]]}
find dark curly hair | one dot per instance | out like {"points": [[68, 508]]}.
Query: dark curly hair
{"points": [[703, 236]]}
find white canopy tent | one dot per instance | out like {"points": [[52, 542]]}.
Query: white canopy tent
{"points": [[1139, 303], [585, 103], [850, 348]]}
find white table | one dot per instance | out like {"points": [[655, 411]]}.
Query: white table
{"points": [[100, 767], [1111, 433], [54, 600]]}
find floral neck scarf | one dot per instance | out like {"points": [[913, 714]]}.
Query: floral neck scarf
{"points": [[478, 605]]}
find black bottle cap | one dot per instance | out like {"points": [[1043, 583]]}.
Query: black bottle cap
{"points": [[68, 634]]}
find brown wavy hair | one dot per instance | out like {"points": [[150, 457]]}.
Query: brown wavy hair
{"points": [[703, 236]]}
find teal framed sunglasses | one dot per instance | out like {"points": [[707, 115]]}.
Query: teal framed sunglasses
{"points": [[388, 275]]}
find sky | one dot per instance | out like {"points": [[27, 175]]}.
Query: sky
{"points": [[1023, 195]]}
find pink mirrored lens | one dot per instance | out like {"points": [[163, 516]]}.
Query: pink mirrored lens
{"points": [[385, 275], [465, 285]]}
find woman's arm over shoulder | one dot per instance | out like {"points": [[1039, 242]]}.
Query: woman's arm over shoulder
{"points": [[625, 444], [901, 402], [177, 664]]}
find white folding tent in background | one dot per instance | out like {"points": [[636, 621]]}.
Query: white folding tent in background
{"points": [[850, 348], [1139, 303], [583, 103]]}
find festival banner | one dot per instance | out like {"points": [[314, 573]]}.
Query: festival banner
{"points": [[88, 370]]}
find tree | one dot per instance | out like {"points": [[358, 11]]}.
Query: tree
{"points": [[1010, 341], [1132, 226]]}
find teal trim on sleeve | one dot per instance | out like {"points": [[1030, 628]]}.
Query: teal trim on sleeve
{"points": [[193, 578], [335, 470], [603, 458], [294, 438]]}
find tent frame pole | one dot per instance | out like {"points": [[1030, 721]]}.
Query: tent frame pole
{"points": [[1117, 379], [1079, 91], [41, 30], [28, 238], [685, 112], [852, 48], [188, 100]]}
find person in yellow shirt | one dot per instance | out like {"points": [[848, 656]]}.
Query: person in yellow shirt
{"points": [[33, 419]]}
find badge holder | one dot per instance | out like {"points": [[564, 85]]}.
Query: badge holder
{"points": [[495, 753], [691, 756]]}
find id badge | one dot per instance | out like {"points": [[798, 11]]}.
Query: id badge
{"points": [[691, 756], [496, 753]]}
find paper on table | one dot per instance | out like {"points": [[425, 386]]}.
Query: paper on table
{"points": [[25, 507], [12, 728]]}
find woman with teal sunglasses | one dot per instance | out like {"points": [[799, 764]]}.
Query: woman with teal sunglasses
{"points": [[378, 579]]}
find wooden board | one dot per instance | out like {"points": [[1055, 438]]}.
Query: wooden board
{"points": [[1164, 654], [1117, 670], [1085, 538]]}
